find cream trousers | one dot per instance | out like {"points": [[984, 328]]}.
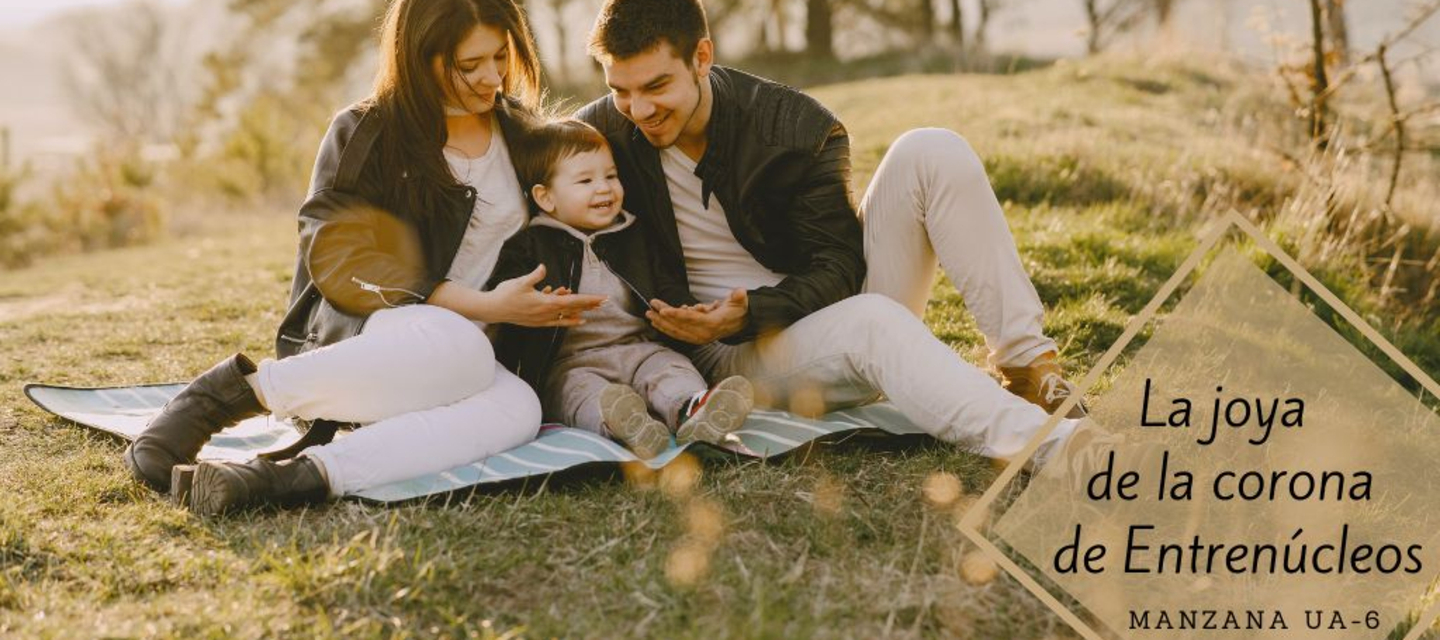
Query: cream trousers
{"points": [[424, 382], [929, 203]]}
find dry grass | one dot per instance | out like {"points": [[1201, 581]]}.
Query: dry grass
{"points": [[1108, 169]]}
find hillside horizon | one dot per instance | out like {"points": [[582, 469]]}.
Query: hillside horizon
{"points": [[43, 127]]}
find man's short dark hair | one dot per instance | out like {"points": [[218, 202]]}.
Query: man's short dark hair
{"points": [[627, 28]]}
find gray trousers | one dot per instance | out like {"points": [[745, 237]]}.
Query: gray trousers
{"points": [[663, 377]]}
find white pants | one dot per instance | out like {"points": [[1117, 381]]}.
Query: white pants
{"points": [[425, 383], [929, 201]]}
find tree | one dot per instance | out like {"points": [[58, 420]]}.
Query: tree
{"points": [[819, 29], [957, 24], [562, 39], [332, 38], [260, 115], [926, 11], [988, 9], [1319, 78], [914, 18], [332, 44], [1107, 19], [1339, 28], [120, 75], [1164, 12], [780, 22]]}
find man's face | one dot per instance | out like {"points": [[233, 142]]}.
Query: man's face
{"points": [[659, 92]]}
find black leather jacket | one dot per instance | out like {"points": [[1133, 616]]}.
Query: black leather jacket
{"points": [[357, 253], [530, 351], [780, 164]]}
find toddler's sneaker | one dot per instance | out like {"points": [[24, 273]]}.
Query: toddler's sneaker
{"points": [[719, 412], [628, 418]]}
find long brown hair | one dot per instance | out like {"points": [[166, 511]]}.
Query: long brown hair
{"points": [[410, 147]]}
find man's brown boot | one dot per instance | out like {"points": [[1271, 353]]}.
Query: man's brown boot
{"points": [[1042, 383], [218, 487], [219, 398]]}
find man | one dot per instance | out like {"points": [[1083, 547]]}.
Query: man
{"points": [[744, 186]]}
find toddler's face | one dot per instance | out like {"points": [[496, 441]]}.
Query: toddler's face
{"points": [[585, 192]]}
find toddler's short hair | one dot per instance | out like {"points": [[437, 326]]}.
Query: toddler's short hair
{"points": [[545, 144]]}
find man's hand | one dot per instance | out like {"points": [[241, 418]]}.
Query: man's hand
{"points": [[701, 323]]}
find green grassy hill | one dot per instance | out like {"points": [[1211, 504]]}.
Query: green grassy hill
{"points": [[1108, 170]]}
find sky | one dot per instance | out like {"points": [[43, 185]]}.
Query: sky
{"points": [[23, 13], [18, 14]]}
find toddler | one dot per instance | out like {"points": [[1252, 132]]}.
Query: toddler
{"points": [[609, 373]]}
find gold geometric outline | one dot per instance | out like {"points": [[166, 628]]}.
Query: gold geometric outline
{"points": [[970, 523]]}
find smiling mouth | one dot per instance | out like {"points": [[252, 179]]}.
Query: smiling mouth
{"points": [[603, 205], [653, 125]]}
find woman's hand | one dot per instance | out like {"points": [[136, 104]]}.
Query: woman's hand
{"points": [[516, 301]]}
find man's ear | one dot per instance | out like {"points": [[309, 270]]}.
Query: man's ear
{"points": [[704, 57], [543, 198]]}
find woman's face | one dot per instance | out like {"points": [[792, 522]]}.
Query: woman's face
{"points": [[481, 60]]}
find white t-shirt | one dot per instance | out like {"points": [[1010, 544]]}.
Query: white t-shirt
{"points": [[500, 211], [715, 261]]}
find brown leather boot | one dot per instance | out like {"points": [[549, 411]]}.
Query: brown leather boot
{"points": [[218, 487], [219, 398], [321, 432], [1042, 383], [181, 477]]}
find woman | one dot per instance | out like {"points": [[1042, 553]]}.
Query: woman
{"points": [[412, 196]]}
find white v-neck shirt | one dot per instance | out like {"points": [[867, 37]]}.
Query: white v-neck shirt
{"points": [[715, 261], [500, 210]]}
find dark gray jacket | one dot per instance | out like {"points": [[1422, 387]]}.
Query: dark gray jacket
{"points": [[357, 253], [779, 163]]}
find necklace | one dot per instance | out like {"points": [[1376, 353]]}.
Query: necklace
{"points": [[457, 160], [461, 156]]}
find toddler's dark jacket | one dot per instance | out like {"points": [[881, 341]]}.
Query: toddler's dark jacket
{"points": [[530, 352]]}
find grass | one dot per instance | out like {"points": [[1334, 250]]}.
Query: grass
{"points": [[1108, 170]]}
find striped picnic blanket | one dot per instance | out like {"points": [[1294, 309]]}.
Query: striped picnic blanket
{"points": [[124, 412]]}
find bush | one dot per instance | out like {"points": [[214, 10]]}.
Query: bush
{"points": [[267, 154], [105, 203], [24, 231]]}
